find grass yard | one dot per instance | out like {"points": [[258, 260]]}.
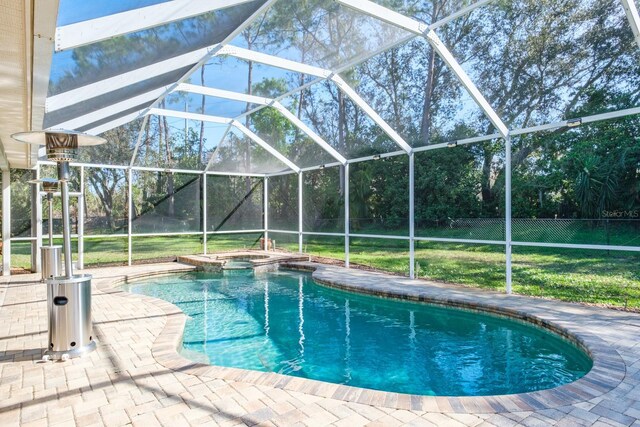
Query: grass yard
{"points": [[600, 277], [113, 250]]}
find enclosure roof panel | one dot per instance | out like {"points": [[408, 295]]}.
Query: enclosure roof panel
{"points": [[314, 81], [134, 62]]}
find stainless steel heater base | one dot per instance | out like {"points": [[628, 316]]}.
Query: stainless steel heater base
{"points": [[51, 261], [69, 307], [70, 354]]}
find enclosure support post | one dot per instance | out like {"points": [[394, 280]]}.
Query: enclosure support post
{"points": [[265, 210], [80, 264], [6, 223], [36, 222], [412, 256], [300, 211], [204, 213], [507, 179], [130, 216], [346, 215]]}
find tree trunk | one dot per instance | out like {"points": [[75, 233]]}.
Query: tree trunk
{"points": [[485, 184]]}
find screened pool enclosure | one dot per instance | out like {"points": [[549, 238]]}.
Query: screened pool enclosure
{"points": [[490, 143]]}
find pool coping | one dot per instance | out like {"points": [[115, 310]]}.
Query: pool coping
{"points": [[607, 373]]}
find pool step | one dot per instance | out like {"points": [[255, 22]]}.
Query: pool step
{"points": [[240, 260]]}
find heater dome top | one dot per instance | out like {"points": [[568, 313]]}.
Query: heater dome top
{"points": [[62, 146], [49, 185], [42, 137], [44, 180]]}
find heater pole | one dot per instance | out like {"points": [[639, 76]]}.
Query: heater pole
{"points": [[64, 176], [50, 202]]}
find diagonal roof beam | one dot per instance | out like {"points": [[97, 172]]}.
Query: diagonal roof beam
{"points": [[200, 56], [81, 94], [103, 28], [141, 133], [324, 74], [357, 99], [382, 13], [261, 10], [113, 124], [218, 93], [370, 54], [275, 153], [111, 110], [189, 116], [311, 134], [225, 121], [213, 155], [448, 58], [634, 20], [275, 61]]}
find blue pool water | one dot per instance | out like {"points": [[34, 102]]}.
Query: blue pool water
{"points": [[284, 322]]}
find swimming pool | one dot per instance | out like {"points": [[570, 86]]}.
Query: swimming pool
{"points": [[284, 322]]}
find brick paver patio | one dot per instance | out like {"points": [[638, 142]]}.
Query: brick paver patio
{"points": [[136, 377]]}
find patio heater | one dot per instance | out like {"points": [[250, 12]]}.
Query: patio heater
{"points": [[51, 255], [69, 296]]}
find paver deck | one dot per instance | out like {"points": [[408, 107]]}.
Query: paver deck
{"points": [[136, 377]]}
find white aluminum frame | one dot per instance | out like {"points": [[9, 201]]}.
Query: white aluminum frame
{"points": [[265, 211], [633, 18], [254, 231], [319, 72], [310, 133], [357, 99], [262, 9], [130, 216], [274, 61], [189, 116], [476, 139], [323, 75], [204, 212], [275, 153], [213, 155], [101, 87], [130, 21], [226, 121], [409, 24], [141, 133], [220, 93], [412, 228], [414, 27], [507, 191], [242, 97], [111, 110], [347, 216], [300, 212]]}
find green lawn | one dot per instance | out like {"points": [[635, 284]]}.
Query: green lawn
{"points": [[601, 277], [113, 250]]}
